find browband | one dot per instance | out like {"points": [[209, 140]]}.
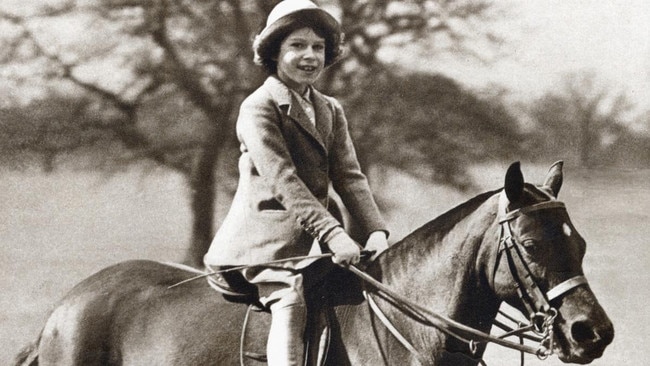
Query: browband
{"points": [[508, 216]]}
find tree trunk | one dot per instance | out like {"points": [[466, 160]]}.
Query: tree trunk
{"points": [[203, 197]]}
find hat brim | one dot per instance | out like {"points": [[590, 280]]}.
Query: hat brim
{"points": [[315, 17]]}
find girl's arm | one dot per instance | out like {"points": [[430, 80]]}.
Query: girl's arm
{"points": [[348, 180]]}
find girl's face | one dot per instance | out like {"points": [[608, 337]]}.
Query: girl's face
{"points": [[301, 59]]}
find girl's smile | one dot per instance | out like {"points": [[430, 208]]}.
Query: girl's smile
{"points": [[301, 59]]}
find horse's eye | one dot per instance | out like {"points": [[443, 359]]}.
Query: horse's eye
{"points": [[529, 244]]}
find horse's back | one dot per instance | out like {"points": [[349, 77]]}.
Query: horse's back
{"points": [[126, 314]]}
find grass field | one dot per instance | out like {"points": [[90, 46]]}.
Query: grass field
{"points": [[57, 229]]}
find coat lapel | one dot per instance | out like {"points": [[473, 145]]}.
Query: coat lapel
{"points": [[283, 97], [324, 115]]}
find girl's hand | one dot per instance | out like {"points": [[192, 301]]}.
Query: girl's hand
{"points": [[346, 251], [378, 242]]}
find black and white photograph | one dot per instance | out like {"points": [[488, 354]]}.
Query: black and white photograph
{"points": [[324, 182]]}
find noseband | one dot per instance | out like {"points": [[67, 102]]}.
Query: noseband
{"points": [[537, 304]]}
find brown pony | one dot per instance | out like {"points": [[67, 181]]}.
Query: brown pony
{"points": [[516, 245]]}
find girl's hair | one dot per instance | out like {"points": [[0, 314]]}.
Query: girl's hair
{"points": [[267, 48]]}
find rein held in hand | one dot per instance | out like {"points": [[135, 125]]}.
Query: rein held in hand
{"points": [[541, 314]]}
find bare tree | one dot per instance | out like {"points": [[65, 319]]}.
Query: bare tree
{"points": [[162, 80], [580, 119], [175, 57]]}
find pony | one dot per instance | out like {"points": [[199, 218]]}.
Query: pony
{"points": [[515, 245]]}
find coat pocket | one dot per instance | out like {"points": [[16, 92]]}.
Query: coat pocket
{"points": [[270, 206]]}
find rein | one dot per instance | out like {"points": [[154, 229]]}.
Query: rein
{"points": [[540, 313], [425, 316]]}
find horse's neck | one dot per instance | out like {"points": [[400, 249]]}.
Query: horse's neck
{"points": [[432, 266], [444, 271]]}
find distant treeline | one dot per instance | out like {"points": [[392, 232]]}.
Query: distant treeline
{"points": [[423, 124]]}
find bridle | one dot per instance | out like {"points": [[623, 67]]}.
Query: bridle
{"points": [[540, 313]]}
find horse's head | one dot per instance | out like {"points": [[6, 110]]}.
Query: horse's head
{"points": [[539, 268]]}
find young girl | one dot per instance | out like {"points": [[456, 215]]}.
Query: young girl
{"points": [[294, 143]]}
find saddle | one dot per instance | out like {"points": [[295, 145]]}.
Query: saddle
{"points": [[328, 286]]}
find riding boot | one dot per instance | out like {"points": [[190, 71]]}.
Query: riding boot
{"points": [[285, 346]]}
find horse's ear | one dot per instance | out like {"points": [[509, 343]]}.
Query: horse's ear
{"points": [[514, 185], [553, 179]]}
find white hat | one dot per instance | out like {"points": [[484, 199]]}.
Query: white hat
{"points": [[286, 13]]}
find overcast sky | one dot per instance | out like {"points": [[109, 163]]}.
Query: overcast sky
{"points": [[550, 38]]}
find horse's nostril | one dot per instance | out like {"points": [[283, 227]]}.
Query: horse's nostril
{"points": [[606, 334], [585, 332], [582, 332]]}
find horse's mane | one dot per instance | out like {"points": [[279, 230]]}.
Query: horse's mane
{"points": [[444, 223], [447, 220]]}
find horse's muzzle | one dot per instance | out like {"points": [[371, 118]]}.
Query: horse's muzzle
{"points": [[587, 340]]}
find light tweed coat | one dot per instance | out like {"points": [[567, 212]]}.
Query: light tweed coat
{"points": [[286, 166]]}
